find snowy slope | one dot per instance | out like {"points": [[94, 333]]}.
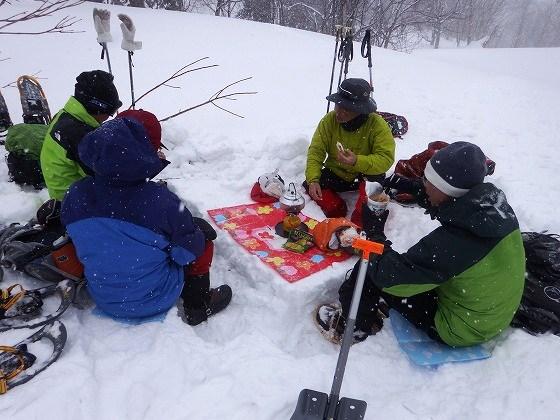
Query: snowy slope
{"points": [[251, 361]]}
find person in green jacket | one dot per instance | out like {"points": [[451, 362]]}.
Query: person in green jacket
{"points": [[350, 144], [463, 282], [95, 100]]}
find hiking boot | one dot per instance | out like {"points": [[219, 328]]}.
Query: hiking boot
{"points": [[219, 298], [331, 324]]}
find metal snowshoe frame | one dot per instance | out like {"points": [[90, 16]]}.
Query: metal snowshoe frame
{"points": [[16, 361], [33, 101], [5, 120], [23, 309], [315, 405]]}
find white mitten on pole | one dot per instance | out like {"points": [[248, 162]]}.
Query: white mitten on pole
{"points": [[128, 31], [102, 23]]}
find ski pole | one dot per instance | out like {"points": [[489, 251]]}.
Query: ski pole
{"points": [[101, 22], [366, 247], [105, 52], [131, 78], [345, 53], [130, 45], [338, 33], [366, 53]]}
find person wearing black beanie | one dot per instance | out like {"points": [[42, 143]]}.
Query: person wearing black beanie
{"points": [[462, 283], [95, 100]]}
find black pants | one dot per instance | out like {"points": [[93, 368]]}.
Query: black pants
{"points": [[333, 182], [420, 309]]}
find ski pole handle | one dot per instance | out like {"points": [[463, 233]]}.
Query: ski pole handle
{"points": [[366, 53], [366, 47]]}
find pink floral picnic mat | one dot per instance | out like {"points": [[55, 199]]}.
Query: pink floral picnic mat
{"points": [[252, 227]]}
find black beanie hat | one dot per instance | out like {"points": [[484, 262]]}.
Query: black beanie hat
{"points": [[456, 168], [97, 93]]}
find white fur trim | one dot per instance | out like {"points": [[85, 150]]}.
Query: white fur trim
{"points": [[441, 184]]}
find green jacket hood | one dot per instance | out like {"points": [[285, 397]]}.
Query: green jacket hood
{"points": [[78, 111], [483, 211]]}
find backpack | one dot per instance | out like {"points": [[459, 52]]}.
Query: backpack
{"points": [[539, 311], [23, 144], [31, 249]]}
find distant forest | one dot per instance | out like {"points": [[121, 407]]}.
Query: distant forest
{"points": [[396, 24]]}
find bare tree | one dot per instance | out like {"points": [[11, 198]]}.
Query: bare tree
{"points": [[222, 7], [437, 13], [10, 24], [391, 21]]}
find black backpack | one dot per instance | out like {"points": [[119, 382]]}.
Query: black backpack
{"points": [[539, 311]]}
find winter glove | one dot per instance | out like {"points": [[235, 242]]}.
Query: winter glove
{"points": [[49, 213], [128, 31], [272, 184], [209, 232], [101, 21], [403, 185], [373, 224]]}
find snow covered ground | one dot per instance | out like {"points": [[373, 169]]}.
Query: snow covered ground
{"points": [[251, 361]]}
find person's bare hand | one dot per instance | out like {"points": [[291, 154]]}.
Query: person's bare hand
{"points": [[348, 157], [160, 154], [315, 191]]}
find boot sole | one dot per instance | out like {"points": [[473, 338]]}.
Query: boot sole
{"points": [[335, 339]]}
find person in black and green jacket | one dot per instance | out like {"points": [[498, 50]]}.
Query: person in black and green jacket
{"points": [[350, 143], [463, 282], [95, 100]]}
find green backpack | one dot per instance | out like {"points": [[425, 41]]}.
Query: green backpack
{"points": [[23, 144]]}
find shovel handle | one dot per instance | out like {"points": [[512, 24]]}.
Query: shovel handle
{"points": [[367, 247]]}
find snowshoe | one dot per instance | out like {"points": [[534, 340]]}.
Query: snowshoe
{"points": [[220, 298], [5, 120], [33, 101], [23, 309], [398, 123], [15, 361]]}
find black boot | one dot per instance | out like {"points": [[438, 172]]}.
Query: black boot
{"points": [[200, 302]]}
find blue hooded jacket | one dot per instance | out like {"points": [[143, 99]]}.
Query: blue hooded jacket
{"points": [[133, 236]]}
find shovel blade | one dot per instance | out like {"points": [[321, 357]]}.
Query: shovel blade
{"points": [[350, 409], [311, 405]]}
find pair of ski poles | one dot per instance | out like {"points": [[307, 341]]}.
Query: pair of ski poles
{"points": [[105, 53], [345, 53]]}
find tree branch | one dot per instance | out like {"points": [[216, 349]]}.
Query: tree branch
{"points": [[46, 8], [215, 97], [181, 72]]}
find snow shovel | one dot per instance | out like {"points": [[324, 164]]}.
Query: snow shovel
{"points": [[315, 405]]}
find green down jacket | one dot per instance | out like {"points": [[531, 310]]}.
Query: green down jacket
{"points": [[475, 262], [60, 162], [373, 143]]}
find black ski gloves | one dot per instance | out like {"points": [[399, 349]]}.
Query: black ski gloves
{"points": [[403, 185], [373, 224], [209, 232]]}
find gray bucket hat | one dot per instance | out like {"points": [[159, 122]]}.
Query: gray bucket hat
{"points": [[354, 95]]}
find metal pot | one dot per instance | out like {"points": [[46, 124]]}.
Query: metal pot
{"points": [[291, 200]]}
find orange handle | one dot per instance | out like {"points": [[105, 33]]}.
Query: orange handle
{"points": [[367, 247]]}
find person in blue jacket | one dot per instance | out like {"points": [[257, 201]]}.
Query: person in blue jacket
{"points": [[139, 244]]}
